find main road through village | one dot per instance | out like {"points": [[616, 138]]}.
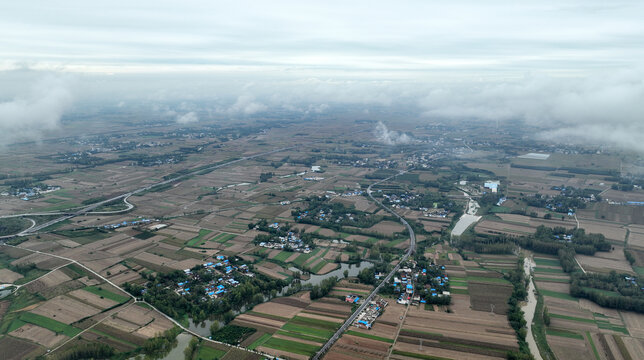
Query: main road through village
{"points": [[410, 250]]}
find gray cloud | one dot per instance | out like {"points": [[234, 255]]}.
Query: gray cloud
{"points": [[30, 116], [604, 109]]}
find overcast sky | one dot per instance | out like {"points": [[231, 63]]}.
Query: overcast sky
{"points": [[458, 59]]}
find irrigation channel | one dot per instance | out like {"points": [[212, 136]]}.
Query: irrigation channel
{"points": [[384, 282]]}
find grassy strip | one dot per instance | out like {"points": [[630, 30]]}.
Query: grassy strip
{"points": [[291, 346], [564, 333], [547, 262], [262, 339], [539, 331], [558, 295], [418, 356], [549, 270], [125, 342], [206, 352], [304, 330], [545, 279], [487, 280], [51, 324], [322, 324], [268, 316], [592, 345], [622, 347], [609, 326], [369, 336], [223, 237], [97, 290], [301, 336], [566, 317]]}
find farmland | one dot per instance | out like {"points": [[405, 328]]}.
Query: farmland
{"points": [[233, 245]]}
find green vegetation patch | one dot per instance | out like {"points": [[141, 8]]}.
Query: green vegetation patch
{"points": [[549, 270], [206, 352], [198, 240], [558, 295], [572, 318], [592, 345], [282, 256], [564, 333], [223, 237], [481, 279], [232, 334], [51, 324], [98, 290], [305, 330], [259, 342], [547, 279], [418, 356], [369, 336], [301, 336], [546, 262], [291, 346]]}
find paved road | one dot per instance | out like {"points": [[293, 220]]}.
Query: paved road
{"points": [[410, 250], [90, 208]]}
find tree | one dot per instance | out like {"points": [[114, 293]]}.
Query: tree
{"points": [[346, 274]]}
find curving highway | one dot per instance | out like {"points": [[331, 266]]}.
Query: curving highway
{"points": [[410, 251], [89, 208]]}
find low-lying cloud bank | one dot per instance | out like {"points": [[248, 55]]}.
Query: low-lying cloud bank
{"points": [[29, 116], [606, 109]]}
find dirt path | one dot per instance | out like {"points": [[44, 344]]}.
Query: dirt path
{"points": [[530, 307]]}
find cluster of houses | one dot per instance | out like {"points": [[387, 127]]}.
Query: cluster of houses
{"points": [[130, 223], [370, 314], [404, 285], [215, 289], [353, 193], [290, 241], [28, 193], [564, 238]]}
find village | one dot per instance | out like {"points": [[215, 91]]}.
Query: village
{"points": [[223, 270]]}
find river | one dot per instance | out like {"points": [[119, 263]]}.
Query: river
{"points": [[203, 328], [529, 308]]}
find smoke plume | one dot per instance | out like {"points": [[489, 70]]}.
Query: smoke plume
{"points": [[188, 118], [390, 137]]}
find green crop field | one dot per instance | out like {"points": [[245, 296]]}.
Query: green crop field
{"points": [[259, 342], [557, 294], [206, 352], [369, 336], [51, 324], [572, 318], [107, 294], [305, 330], [291, 346], [223, 237], [546, 262], [564, 333], [549, 270], [283, 256], [198, 240]]}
